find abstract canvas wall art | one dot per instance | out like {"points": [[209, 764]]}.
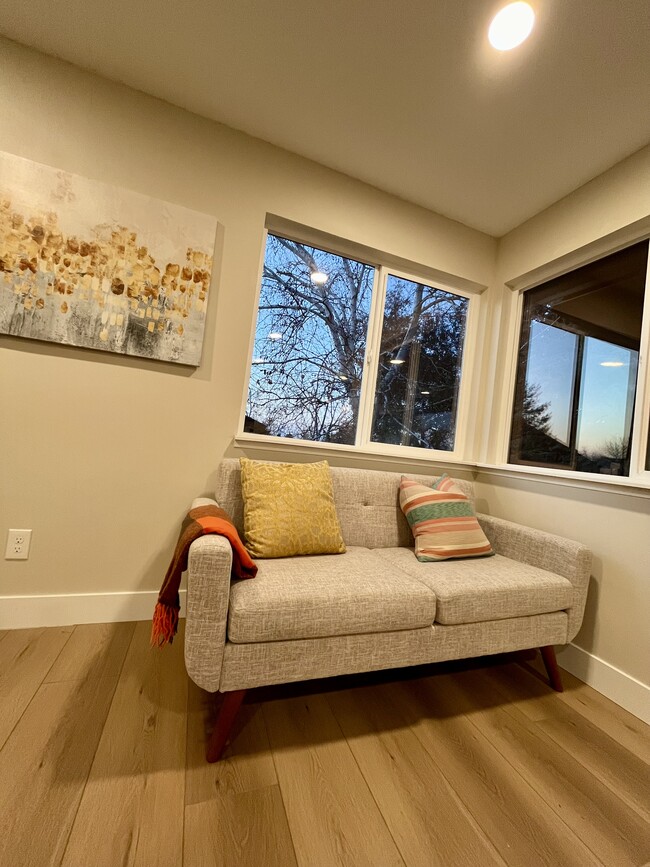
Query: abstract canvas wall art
{"points": [[88, 264]]}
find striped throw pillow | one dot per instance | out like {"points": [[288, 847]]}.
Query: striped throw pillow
{"points": [[442, 521]]}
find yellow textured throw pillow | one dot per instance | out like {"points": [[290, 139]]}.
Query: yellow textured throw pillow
{"points": [[289, 509]]}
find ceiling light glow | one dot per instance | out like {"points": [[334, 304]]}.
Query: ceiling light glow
{"points": [[397, 360], [612, 364], [319, 278], [425, 392], [511, 26], [275, 335]]}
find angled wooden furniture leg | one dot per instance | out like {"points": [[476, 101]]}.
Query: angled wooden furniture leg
{"points": [[227, 713], [552, 668]]}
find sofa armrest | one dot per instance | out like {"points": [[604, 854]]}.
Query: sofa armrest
{"points": [[546, 551], [208, 593]]}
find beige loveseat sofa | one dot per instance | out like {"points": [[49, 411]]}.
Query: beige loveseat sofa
{"points": [[375, 606]]}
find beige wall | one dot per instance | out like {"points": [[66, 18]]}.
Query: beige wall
{"points": [[101, 455], [610, 202], [615, 526]]}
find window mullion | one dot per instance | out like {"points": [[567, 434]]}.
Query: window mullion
{"points": [[575, 403], [467, 372], [513, 355], [371, 359]]}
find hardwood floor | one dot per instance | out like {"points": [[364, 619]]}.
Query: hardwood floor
{"points": [[476, 764]]}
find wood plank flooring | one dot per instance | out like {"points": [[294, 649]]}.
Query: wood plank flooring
{"points": [[469, 764], [26, 656]]}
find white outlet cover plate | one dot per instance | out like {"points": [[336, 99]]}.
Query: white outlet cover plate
{"points": [[18, 542]]}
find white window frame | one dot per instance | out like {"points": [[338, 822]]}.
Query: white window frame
{"points": [[363, 444], [639, 477]]}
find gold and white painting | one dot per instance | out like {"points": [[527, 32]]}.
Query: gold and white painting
{"points": [[88, 264]]}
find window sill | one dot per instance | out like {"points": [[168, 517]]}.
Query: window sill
{"points": [[637, 487], [374, 451], [403, 457]]}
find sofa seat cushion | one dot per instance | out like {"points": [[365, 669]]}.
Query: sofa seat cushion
{"points": [[321, 596], [494, 588]]}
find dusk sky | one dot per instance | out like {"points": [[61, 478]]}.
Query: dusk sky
{"points": [[605, 388]]}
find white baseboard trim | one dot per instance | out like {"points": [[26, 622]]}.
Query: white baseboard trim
{"points": [[622, 688], [68, 609]]}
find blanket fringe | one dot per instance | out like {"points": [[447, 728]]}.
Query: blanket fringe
{"points": [[165, 624]]}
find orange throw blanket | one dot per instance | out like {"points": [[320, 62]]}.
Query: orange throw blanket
{"points": [[198, 522]]}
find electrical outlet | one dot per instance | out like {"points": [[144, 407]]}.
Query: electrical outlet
{"points": [[18, 542]]}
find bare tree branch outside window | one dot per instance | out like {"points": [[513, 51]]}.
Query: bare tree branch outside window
{"points": [[310, 343]]}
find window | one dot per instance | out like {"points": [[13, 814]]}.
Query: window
{"points": [[577, 370], [419, 366], [313, 373], [310, 343]]}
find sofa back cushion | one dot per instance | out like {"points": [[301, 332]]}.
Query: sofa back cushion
{"points": [[367, 503]]}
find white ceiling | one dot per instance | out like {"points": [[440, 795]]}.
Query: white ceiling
{"points": [[404, 94]]}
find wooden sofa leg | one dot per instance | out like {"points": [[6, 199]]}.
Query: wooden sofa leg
{"points": [[227, 713], [552, 668]]}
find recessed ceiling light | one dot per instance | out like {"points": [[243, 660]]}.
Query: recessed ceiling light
{"points": [[319, 278], [397, 360], [425, 392], [511, 26], [612, 364], [275, 335]]}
